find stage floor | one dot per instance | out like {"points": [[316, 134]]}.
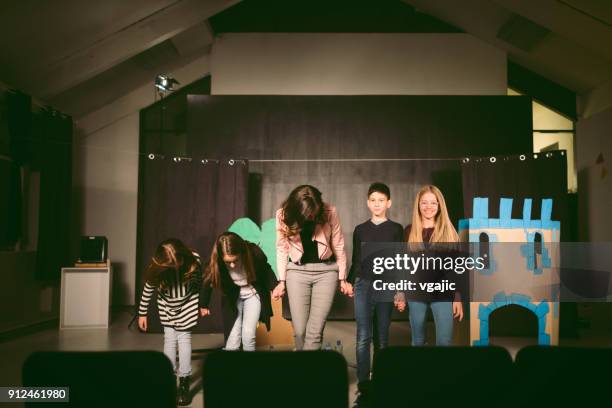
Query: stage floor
{"points": [[13, 352]]}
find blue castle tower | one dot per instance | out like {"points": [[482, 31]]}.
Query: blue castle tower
{"points": [[521, 268]]}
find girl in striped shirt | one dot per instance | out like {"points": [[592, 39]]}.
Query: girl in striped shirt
{"points": [[175, 272]]}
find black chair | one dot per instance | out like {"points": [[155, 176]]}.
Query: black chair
{"points": [[289, 379], [442, 377], [104, 379], [563, 376]]}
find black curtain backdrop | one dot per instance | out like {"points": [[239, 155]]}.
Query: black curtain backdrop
{"points": [[531, 175], [16, 124], [40, 141], [52, 155], [440, 129], [192, 201], [6, 202]]}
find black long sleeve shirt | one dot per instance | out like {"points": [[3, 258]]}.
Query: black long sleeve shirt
{"points": [[387, 231]]}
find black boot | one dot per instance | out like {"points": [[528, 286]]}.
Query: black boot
{"points": [[363, 395], [184, 397]]}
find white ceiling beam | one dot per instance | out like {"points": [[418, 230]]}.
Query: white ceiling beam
{"points": [[590, 32], [597, 100], [194, 38], [126, 43], [556, 58]]}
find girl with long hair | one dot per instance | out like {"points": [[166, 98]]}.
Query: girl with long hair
{"points": [[240, 270], [311, 262], [431, 224], [175, 273]]}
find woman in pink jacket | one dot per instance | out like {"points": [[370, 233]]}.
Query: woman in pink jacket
{"points": [[311, 262]]}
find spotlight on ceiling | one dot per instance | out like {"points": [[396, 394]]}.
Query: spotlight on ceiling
{"points": [[165, 83]]}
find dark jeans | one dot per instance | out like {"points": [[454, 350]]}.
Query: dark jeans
{"points": [[373, 320]]}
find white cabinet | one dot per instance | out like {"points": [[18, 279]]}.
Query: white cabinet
{"points": [[85, 297]]}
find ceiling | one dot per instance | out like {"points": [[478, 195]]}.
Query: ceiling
{"points": [[80, 56]]}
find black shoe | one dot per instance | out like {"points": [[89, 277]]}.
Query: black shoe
{"points": [[362, 401], [363, 395], [184, 397]]}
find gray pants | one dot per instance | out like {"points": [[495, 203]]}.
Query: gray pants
{"points": [[311, 289]]}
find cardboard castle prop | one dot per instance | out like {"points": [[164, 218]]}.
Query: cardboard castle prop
{"points": [[523, 272]]}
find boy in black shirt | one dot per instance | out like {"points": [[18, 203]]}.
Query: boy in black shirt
{"points": [[373, 318]]}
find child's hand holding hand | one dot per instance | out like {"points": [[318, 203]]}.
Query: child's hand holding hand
{"points": [[142, 323], [399, 301], [279, 290], [458, 310], [204, 311], [346, 288]]}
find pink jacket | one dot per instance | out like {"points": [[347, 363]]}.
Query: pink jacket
{"points": [[328, 237]]}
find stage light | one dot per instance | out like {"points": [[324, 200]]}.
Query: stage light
{"points": [[165, 83]]}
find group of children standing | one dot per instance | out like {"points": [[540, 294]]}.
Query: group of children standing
{"points": [[311, 266]]}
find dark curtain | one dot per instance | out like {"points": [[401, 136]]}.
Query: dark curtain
{"points": [[282, 128], [6, 181], [536, 176], [194, 202], [53, 154], [10, 204], [16, 123]]}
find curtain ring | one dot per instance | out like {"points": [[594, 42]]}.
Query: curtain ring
{"points": [[466, 160], [492, 159], [522, 157], [231, 162], [179, 159]]}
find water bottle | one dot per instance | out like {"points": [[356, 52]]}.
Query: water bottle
{"points": [[339, 347]]}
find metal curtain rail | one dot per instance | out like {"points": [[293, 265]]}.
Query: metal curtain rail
{"points": [[350, 160]]}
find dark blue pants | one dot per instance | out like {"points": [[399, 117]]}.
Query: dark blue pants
{"points": [[373, 321]]}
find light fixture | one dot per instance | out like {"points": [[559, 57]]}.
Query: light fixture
{"points": [[165, 83]]}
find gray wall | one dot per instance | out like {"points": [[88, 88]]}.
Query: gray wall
{"points": [[356, 64], [594, 137]]}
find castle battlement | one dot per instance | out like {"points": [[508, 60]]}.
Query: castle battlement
{"points": [[480, 216]]}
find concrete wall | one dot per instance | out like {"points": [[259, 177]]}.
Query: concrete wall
{"points": [[356, 64], [594, 137]]}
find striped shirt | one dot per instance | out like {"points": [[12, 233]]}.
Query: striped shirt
{"points": [[178, 302]]}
